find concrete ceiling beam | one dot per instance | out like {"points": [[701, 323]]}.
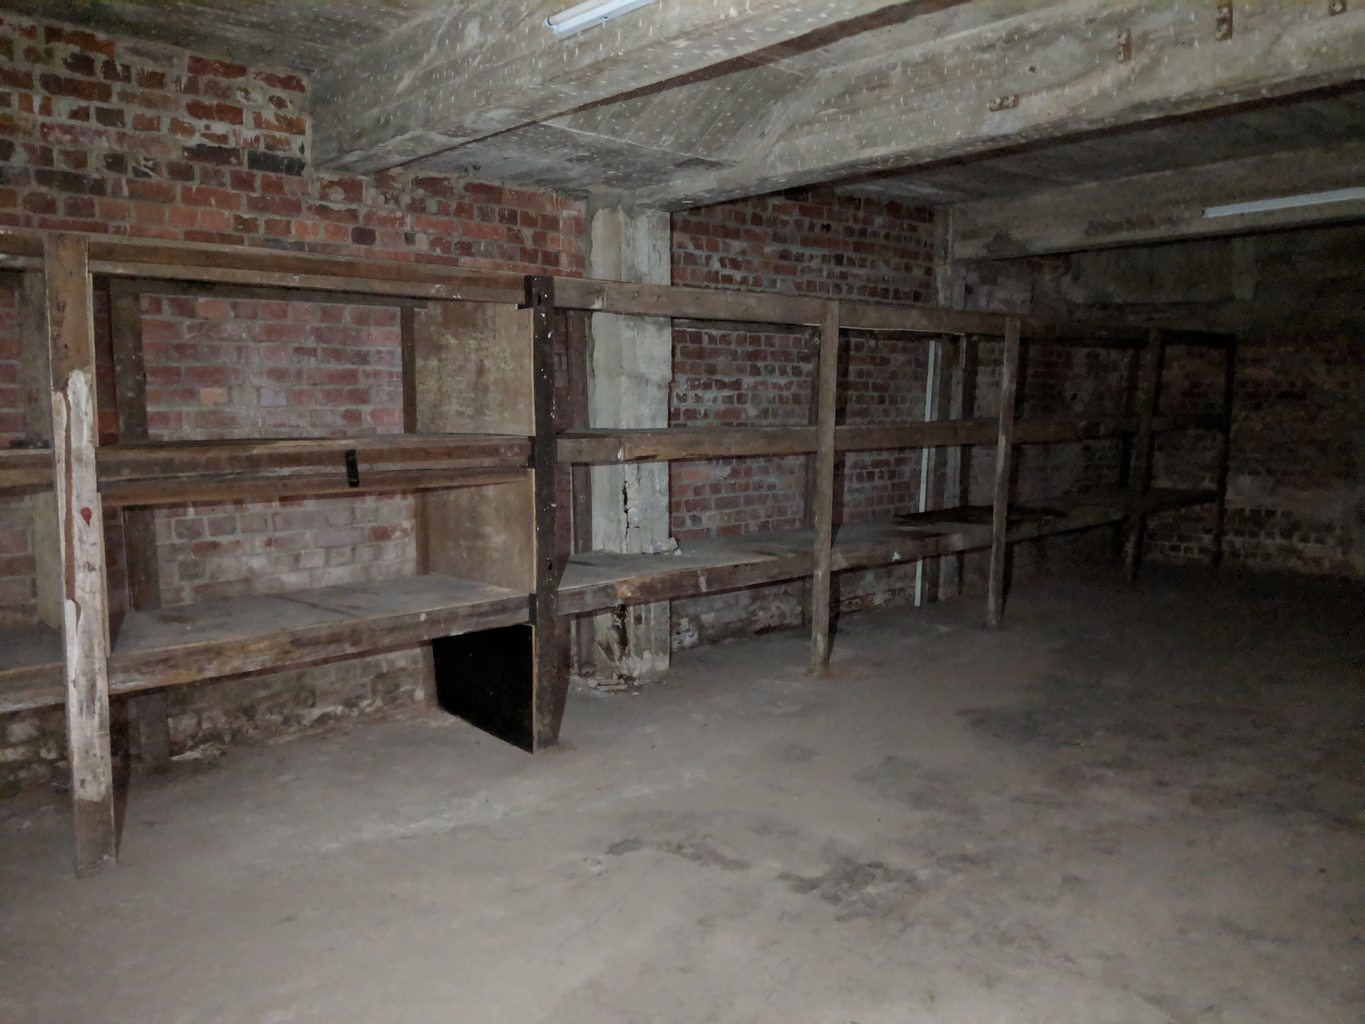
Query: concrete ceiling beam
{"points": [[1068, 69], [470, 70], [1161, 207]]}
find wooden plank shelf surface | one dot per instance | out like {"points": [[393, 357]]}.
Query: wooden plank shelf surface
{"points": [[30, 668], [597, 580], [238, 635], [247, 634]]}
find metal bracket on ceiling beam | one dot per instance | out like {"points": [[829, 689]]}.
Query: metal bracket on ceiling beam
{"points": [[1223, 23]]}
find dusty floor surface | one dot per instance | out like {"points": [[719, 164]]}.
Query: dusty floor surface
{"points": [[1128, 806]]}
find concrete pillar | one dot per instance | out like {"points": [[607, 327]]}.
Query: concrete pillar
{"points": [[631, 366]]}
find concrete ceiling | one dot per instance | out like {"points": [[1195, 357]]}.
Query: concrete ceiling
{"points": [[302, 35], [1294, 124], [685, 102]]}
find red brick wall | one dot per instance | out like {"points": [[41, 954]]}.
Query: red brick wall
{"points": [[109, 136], [245, 368], [103, 135], [814, 243], [1295, 498]]}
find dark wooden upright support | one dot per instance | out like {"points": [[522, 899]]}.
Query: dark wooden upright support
{"points": [[85, 614], [938, 397], [1220, 514], [1004, 465], [35, 386], [149, 713], [957, 475], [821, 578], [551, 682], [407, 323], [1140, 467], [407, 336], [576, 344]]}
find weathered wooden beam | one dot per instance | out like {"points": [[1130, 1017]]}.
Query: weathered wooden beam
{"points": [[577, 415], [606, 446], [937, 395], [668, 444], [149, 712], [170, 491], [821, 609], [469, 70], [550, 685], [1161, 207], [1220, 514], [85, 618], [1041, 72], [244, 457], [1140, 468], [269, 293], [272, 268], [30, 471], [1004, 464]]}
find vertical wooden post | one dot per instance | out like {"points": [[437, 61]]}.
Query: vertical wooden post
{"points": [[827, 412], [1220, 514], [35, 385], [931, 481], [407, 326], [407, 340], [150, 716], [1004, 465], [957, 482], [85, 613], [809, 495], [1140, 469], [576, 342], [551, 682]]}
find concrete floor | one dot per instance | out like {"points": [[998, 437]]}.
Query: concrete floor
{"points": [[1128, 806]]}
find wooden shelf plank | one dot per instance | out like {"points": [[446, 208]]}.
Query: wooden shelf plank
{"points": [[182, 458], [601, 579], [25, 470], [598, 580], [30, 668], [237, 635], [232, 636]]}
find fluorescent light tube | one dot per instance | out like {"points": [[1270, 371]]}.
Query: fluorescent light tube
{"points": [[1341, 195], [586, 15]]}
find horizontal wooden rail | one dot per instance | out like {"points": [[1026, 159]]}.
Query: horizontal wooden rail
{"points": [[184, 490], [715, 442], [677, 443], [384, 451], [176, 472], [25, 470], [253, 266]]}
